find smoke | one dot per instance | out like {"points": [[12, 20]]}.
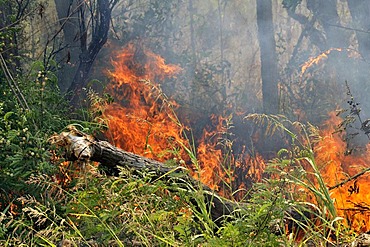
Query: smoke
{"points": [[216, 45]]}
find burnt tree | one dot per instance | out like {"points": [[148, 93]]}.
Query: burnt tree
{"points": [[94, 22]]}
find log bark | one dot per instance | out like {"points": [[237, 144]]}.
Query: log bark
{"points": [[82, 147]]}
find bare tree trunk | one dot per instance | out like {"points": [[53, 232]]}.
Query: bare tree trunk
{"points": [[192, 37], [267, 43], [99, 34], [68, 57], [194, 58], [360, 10], [222, 56]]}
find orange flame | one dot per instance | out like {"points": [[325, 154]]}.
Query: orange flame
{"points": [[210, 156], [317, 59], [352, 199], [142, 120]]}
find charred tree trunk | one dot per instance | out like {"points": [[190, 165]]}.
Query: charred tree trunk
{"points": [[269, 72], [99, 21]]}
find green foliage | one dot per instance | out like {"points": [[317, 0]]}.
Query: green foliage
{"points": [[114, 211], [261, 220], [24, 131], [134, 210]]}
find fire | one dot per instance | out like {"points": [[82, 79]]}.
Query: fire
{"points": [[209, 155], [142, 120], [220, 166], [317, 59], [352, 199]]}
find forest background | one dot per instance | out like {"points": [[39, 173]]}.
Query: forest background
{"points": [[243, 94]]}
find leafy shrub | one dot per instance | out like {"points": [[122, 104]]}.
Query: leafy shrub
{"points": [[25, 129]]}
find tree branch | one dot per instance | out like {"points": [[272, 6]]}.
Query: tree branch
{"points": [[350, 179]]}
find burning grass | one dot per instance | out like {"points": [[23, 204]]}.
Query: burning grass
{"points": [[351, 198], [139, 211], [143, 121]]}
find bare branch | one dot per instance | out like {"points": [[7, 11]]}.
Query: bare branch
{"points": [[350, 179], [13, 85]]}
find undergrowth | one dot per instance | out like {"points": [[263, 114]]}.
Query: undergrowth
{"points": [[290, 207]]}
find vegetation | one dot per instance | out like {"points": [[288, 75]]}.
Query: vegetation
{"points": [[135, 210], [268, 164]]}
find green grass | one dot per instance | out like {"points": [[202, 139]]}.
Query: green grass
{"points": [[137, 210]]}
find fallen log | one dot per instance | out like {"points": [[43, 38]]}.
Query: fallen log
{"points": [[82, 147]]}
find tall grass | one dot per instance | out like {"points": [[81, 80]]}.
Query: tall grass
{"points": [[312, 211]]}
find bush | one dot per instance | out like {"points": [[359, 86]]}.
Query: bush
{"points": [[25, 129]]}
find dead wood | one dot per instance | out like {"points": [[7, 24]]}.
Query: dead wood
{"points": [[361, 240], [82, 147]]}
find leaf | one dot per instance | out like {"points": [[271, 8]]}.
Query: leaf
{"points": [[282, 152], [7, 115], [12, 134], [82, 215]]}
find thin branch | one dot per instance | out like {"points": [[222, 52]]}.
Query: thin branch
{"points": [[307, 28], [13, 85], [350, 179], [355, 110], [349, 28], [17, 21], [21, 9]]}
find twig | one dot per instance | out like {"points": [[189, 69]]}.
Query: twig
{"points": [[13, 85], [355, 110], [349, 28], [349, 179], [308, 26]]}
